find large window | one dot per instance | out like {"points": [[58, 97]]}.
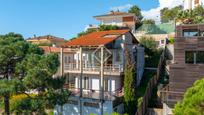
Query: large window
{"points": [[200, 57], [190, 56], [194, 57], [190, 33]]}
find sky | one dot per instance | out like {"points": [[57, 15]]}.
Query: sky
{"points": [[66, 18]]}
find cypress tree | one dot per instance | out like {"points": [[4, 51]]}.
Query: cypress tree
{"points": [[129, 86]]}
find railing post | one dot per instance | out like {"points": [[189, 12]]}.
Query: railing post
{"points": [[62, 61], [102, 78], [81, 75]]}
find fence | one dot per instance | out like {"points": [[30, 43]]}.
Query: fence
{"points": [[142, 109]]}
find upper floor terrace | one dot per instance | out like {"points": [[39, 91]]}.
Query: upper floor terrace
{"points": [[86, 52], [190, 31]]}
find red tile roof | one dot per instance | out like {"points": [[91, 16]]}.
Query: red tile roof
{"points": [[49, 49], [96, 38]]}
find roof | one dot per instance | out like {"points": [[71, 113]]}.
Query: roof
{"points": [[48, 37], [96, 38], [115, 13], [49, 49]]}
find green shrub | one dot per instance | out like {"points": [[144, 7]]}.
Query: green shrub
{"points": [[139, 101], [193, 101], [25, 104], [171, 40]]}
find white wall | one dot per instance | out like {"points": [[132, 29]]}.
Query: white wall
{"points": [[112, 21]]}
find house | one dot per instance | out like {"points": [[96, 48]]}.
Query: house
{"points": [[188, 62], [94, 87], [159, 32], [161, 39], [120, 19], [191, 4], [47, 40]]}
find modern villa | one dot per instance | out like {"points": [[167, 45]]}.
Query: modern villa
{"points": [[188, 62], [120, 19], [94, 86]]}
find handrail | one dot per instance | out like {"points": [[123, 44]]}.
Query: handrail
{"points": [[92, 93], [87, 67]]}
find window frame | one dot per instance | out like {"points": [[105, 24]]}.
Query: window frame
{"points": [[195, 59]]}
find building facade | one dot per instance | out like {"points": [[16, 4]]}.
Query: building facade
{"points": [[188, 62], [120, 19], [47, 40], [95, 89]]}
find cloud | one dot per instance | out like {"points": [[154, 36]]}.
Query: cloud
{"points": [[154, 13], [121, 8]]}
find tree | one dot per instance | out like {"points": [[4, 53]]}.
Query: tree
{"points": [[101, 28], [8, 87], [192, 103], [13, 49], [148, 21], [167, 14], [149, 43], [108, 27], [152, 54], [130, 86], [24, 67], [85, 32], [199, 10], [191, 16], [137, 11]]}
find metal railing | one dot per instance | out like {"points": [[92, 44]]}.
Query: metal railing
{"points": [[88, 67], [95, 94]]}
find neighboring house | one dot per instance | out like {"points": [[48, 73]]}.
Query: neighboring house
{"points": [[188, 63], [191, 4], [47, 40], [161, 39], [82, 61], [120, 19], [159, 32]]}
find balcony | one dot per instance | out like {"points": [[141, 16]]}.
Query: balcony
{"points": [[92, 94], [88, 68]]}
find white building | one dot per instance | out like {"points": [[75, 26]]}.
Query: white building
{"points": [[191, 4], [120, 19], [81, 61]]}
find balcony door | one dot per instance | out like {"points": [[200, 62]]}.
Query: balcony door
{"points": [[95, 84], [111, 85]]}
